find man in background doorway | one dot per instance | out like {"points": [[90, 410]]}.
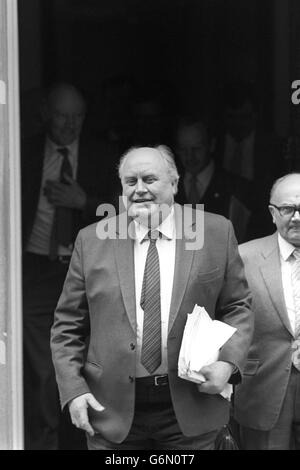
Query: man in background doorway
{"points": [[65, 175]]}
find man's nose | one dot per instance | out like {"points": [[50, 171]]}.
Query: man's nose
{"points": [[140, 187]]}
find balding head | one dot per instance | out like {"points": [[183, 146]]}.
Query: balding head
{"points": [[149, 180], [64, 113], [162, 152], [285, 193]]}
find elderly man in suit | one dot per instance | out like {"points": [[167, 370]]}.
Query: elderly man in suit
{"points": [[65, 176], [129, 296], [267, 402]]}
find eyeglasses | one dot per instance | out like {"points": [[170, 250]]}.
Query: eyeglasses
{"points": [[287, 211]]}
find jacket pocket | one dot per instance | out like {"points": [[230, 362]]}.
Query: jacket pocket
{"points": [[251, 367]]}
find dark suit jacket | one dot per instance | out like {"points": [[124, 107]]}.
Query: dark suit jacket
{"points": [[218, 194], [259, 398], [268, 159], [96, 175], [98, 299], [218, 198]]}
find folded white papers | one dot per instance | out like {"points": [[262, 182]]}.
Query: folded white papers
{"points": [[202, 339]]}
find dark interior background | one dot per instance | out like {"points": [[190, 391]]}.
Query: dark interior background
{"points": [[187, 49]]}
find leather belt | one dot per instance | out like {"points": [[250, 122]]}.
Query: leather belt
{"points": [[152, 381]]}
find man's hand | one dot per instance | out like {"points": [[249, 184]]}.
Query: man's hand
{"points": [[78, 411], [216, 376], [66, 195]]}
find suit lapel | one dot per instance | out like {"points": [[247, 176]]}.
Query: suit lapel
{"points": [[125, 263], [271, 272], [183, 263], [124, 255]]}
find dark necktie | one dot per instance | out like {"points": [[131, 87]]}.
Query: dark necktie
{"points": [[150, 303], [62, 230], [193, 193]]}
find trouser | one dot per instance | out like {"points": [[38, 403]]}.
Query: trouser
{"points": [[42, 284], [285, 434], [155, 425]]}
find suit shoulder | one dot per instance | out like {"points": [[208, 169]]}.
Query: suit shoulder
{"points": [[88, 232], [210, 219], [102, 229], [213, 220], [254, 246], [217, 225]]}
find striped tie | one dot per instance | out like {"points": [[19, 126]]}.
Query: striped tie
{"points": [[150, 303], [296, 294]]}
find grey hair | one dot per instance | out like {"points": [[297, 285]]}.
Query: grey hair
{"points": [[279, 181], [166, 154]]}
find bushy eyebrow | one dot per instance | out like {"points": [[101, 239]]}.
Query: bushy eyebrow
{"points": [[146, 176]]}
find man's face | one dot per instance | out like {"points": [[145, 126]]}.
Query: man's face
{"points": [[66, 113], [287, 193], [240, 122], [193, 148], [147, 185]]}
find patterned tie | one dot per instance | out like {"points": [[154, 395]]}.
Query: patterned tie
{"points": [[296, 294], [62, 229], [150, 303]]}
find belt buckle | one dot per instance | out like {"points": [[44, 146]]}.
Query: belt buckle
{"points": [[157, 380]]}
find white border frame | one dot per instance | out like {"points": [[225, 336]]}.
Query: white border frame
{"points": [[15, 337]]}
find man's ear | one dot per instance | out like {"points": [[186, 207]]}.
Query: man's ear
{"points": [[272, 212], [175, 186]]}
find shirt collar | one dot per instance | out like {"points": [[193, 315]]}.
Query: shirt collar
{"points": [[285, 248], [166, 228], [52, 146]]}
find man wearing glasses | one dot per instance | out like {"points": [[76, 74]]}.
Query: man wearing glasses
{"points": [[267, 403]]}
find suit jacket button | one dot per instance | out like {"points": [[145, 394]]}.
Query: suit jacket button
{"points": [[132, 346], [131, 379]]}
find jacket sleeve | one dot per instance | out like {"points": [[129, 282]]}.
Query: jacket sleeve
{"points": [[70, 331]]}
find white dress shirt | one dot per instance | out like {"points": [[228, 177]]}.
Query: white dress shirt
{"points": [[286, 249], [203, 179], [246, 166], [166, 247], [39, 241]]}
